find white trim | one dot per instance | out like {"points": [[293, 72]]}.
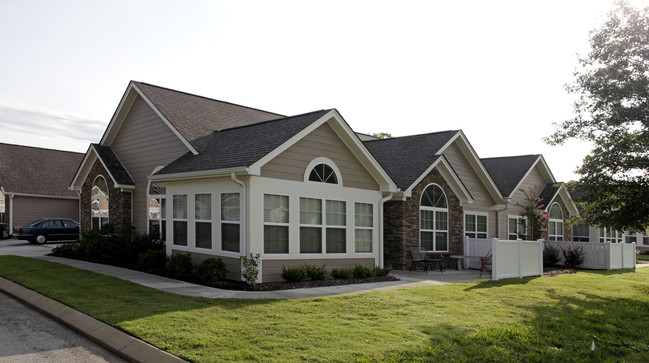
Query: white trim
{"points": [[435, 230], [545, 172], [83, 168], [517, 217], [41, 196], [199, 174], [323, 160], [554, 220], [449, 175], [475, 213]]}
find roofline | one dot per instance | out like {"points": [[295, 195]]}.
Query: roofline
{"points": [[81, 167], [562, 190], [547, 169], [201, 174], [40, 196], [41, 148], [97, 157], [450, 172]]}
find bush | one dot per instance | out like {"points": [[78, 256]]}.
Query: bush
{"points": [[382, 271], [153, 261], [363, 272], [250, 268], [315, 272], [93, 243], [179, 266], [210, 270], [550, 255], [574, 256], [341, 273], [293, 273], [67, 250]]}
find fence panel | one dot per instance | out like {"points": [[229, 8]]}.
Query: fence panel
{"points": [[475, 247], [517, 259], [601, 256], [628, 255]]}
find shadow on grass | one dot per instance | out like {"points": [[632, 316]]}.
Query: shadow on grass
{"points": [[499, 283]]}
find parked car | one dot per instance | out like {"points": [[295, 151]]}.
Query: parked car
{"points": [[49, 229]]}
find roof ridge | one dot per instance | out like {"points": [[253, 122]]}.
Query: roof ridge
{"points": [[415, 135], [41, 148], [273, 120], [510, 156], [207, 98]]}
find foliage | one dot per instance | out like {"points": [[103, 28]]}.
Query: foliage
{"points": [[341, 273], [153, 261], [250, 268], [106, 229], [550, 255], [537, 219], [179, 266], [67, 250], [612, 112], [122, 247], [382, 135], [93, 243], [382, 271], [362, 272], [573, 256], [316, 273], [293, 273], [210, 270]]}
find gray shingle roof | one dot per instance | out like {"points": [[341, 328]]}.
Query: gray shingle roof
{"points": [[406, 158], [241, 146], [112, 163], [548, 192], [196, 117], [32, 170], [508, 171]]}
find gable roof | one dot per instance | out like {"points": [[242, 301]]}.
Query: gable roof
{"points": [[37, 171], [112, 164], [508, 171]]}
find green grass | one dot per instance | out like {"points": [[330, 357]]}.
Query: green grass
{"points": [[533, 319], [643, 257]]}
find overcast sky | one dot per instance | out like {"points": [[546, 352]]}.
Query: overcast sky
{"points": [[495, 69]]}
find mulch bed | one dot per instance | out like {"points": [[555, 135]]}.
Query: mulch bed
{"points": [[283, 285], [558, 270]]}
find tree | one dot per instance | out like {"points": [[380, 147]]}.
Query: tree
{"points": [[382, 135], [537, 219], [612, 111]]}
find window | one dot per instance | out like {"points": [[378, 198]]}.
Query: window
{"points": [[2, 208], [203, 220], [336, 222], [516, 228], [363, 223], [610, 235], [230, 222], [99, 203], [475, 225], [276, 211], [157, 212], [580, 233], [310, 225], [180, 219], [433, 220], [555, 224], [323, 173]]}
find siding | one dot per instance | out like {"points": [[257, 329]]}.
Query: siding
{"points": [[469, 177], [292, 163], [144, 142], [29, 209], [271, 269], [533, 178], [233, 265]]}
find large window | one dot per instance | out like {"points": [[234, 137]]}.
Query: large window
{"points": [[363, 227], [311, 226], [433, 219], [276, 213], [230, 222], [157, 212], [203, 220], [180, 219], [555, 224], [475, 225], [580, 233], [99, 203], [336, 222], [610, 235], [516, 228]]}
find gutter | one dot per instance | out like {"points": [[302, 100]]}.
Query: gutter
{"points": [[381, 245], [507, 201], [244, 220]]}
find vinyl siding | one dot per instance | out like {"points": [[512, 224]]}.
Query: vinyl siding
{"points": [[322, 142], [144, 142], [29, 209], [533, 178], [272, 269]]}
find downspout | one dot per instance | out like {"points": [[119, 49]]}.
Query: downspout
{"points": [[11, 214], [244, 220], [381, 245], [507, 201]]}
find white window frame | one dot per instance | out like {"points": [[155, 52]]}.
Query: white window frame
{"points": [[358, 228], [322, 160], [475, 233], [580, 237], [179, 219], [608, 234], [520, 220], [434, 231], [197, 220], [287, 224], [224, 221], [102, 220], [557, 222], [324, 225], [163, 213]]}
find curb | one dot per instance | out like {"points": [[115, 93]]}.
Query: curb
{"points": [[118, 342]]}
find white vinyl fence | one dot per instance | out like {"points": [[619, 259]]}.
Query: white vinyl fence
{"points": [[601, 256], [509, 258]]}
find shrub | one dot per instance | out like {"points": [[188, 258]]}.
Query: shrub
{"points": [[341, 273], [315, 272], [210, 270], [293, 273], [382, 271], [179, 266], [93, 243], [362, 272], [550, 255], [153, 261], [574, 256], [250, 268], [67, 250], [107, 229]]}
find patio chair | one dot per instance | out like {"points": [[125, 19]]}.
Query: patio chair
{"points": [[418, 258], [486, 263]]}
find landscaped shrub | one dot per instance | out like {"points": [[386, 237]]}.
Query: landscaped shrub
{"points": [[341, 273], [127, 245], [363, 272], [153, 261], [573, 256], [179, 266], [210, 270], [550, 255], [67, 250], [93, 243], [293, 273], [250, 268], [316, 273], [382, 271]]}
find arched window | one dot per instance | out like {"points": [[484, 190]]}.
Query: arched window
{"points": [[156, 207], [433, 220], [99, 203], [555, 225], [323, 170]]}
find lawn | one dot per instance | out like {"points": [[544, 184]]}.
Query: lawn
{"points": [[643, 257], [532, 319]]}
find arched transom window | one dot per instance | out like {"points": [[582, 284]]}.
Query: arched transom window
{"points": [[322, 170], [555, 224], [99, 203], [433, 220]]}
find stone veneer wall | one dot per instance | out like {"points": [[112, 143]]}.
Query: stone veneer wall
{"points": [[119, 203], [401, 224], [567, 230]]}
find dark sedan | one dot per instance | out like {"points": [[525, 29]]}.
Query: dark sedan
{"points": [[49, 229]]}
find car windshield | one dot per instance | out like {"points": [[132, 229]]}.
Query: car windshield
{"points": [[36, 223]]}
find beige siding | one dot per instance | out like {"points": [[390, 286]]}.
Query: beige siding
{"points": [[272, 269], [533, 178], [324, 142], [469, 177], [233, 265], [29, 209], [144, 142]]}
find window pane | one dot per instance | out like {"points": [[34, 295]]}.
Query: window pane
{"points": [[230, 237], [482, 223], [512, 225], [180, 233], [275, 239], [310, 240], [323, 173], [433, 196], [310, 211], [469, 223], [427, 219], [363, 240], [441, 221], [100, 188], [275, 208], [364, 215], [157, 188], [441, 241], [427, 241], [163, 208], [230, 207], [336, 211], [336, 242], [555, 212], [203, 206], [154, 208], [203, 234], [180, 206]]}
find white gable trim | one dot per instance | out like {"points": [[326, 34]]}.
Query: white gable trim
{"points": [[83, 171], [449, 176], [567, 199], [545, 172]]}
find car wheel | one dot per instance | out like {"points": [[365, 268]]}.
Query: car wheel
{"points": [[40, 239]]}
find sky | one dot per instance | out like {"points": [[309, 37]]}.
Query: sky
{"points": [[494, 69]]}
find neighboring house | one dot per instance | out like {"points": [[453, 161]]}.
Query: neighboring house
{"points": [[218, 179], [34, 184]]}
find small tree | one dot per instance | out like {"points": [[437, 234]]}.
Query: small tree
{"points": [[250, 268], [537, 219]]}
